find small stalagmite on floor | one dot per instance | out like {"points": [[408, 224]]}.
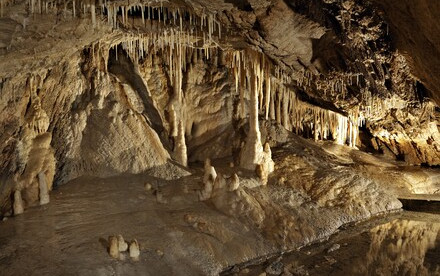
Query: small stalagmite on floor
{"points": [[18, 203], [181, 155], [134, 250], [208, 181], [122, 244], [261, 172], [44, 191], [219, 185], [209, 171], [233, 182], [113, 247], [148, 186]]}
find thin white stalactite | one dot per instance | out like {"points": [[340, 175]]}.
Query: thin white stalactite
{"points": [[268, 96], [93, 12]]}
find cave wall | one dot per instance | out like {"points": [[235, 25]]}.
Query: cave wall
{"points": [[79, 95]]}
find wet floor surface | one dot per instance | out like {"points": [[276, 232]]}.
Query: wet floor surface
{"points": [[406, 243], [69, 235]]}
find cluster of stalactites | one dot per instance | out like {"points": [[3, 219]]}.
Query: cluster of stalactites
{"points": [[332, 85], [151, 14], [373, 107], [40, 121], [178, 50], [299, 117], [336, 86], [78, 7], [252, 71], [206, 24], [252, 74], [177, 47]]}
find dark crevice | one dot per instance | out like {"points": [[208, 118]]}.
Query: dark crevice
{"points": [[421, 91], [420, 205], [243, 5]]}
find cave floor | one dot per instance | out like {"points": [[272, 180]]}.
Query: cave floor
{"points": [[69, 235], [403, 243], [179, 235]]}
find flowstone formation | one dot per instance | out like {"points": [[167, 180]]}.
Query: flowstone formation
{"points": [[155, 88]]}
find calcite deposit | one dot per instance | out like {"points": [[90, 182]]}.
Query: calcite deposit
{"points": [[227, 131]]}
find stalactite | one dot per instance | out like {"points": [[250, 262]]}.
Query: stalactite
{"points": [[315, 126], [272, 102], [268, 96], [73, 7], [93, 10], [285, 116], [342, 130], [278, 108]]}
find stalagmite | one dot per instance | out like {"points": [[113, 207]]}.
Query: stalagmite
{"points": [[252, 150], [44, 193], [122, 244], [208, 181], [219, 185], [148, 186], [181, 151], [209, 171], [261, 173], [206, 192], [253, 67], [173, 122], [18, 207], [267, 158], [134, 250], [234, 182], [113, 248]]}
